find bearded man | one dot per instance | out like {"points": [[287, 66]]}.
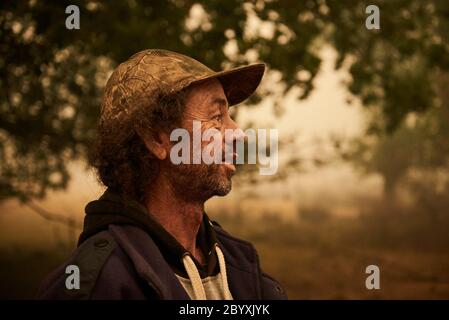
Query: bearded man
{"points": [[148, 236]]}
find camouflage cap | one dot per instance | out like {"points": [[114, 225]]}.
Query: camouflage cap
{"points": [[156, 71]]}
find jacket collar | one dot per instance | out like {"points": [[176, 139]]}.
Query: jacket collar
{"points": [[154, 252], [113, 208], [148, 261], [242, 266]]}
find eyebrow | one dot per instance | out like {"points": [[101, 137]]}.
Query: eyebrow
{"points": [[220, 101]]}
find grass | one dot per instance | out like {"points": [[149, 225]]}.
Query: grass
{"points": [[337, 273], [327, 259]]}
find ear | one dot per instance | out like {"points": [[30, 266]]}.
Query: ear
{"points": [[158, 143]]}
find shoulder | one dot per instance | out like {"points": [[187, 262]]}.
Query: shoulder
{"points": [[272, 289], [103, 269]]}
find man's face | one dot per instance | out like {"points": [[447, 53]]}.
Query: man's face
{"points": [[206, 103]]}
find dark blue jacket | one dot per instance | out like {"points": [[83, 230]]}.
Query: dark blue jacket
{"points": [[122, 260]]}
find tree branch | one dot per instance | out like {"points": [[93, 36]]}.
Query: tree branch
{"points": [[50, 216]]}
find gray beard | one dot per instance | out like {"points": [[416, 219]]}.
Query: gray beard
{"points": [[199, 182]]}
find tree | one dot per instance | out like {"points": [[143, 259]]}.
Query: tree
{"points": [[51, 78], [416, 153]]}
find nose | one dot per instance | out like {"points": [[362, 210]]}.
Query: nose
{"points": [[231, 138], [238, 133]]}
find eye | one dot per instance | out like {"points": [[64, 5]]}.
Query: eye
{"points": [[218, 117]]}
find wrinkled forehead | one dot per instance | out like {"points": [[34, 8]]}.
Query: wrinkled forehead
{"points": [[207, 96]]}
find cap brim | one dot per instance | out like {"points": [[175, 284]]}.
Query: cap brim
{"points": [[238, 83]]}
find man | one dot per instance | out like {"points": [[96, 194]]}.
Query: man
{"points": [[147, 236]]}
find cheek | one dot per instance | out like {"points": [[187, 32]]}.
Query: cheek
{"points": [[211, 140]]}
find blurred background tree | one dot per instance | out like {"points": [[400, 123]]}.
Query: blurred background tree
{"points": [[414, 157], [51, 78]]}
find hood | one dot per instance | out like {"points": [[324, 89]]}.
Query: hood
{"points": [[117, 209]]}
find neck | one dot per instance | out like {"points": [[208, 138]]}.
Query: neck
{"points": [[180, 217]]}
